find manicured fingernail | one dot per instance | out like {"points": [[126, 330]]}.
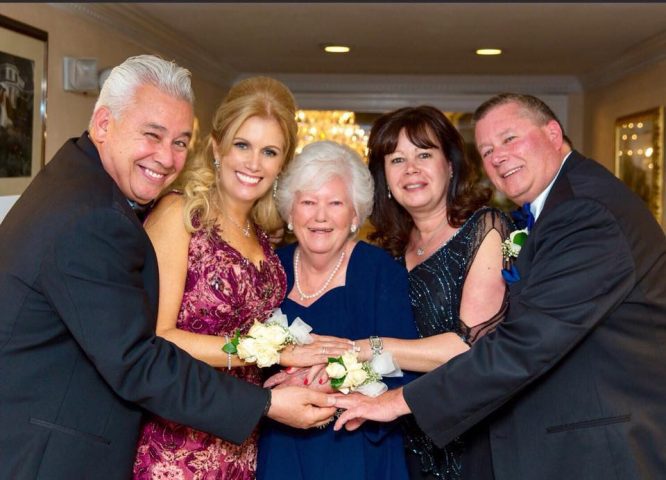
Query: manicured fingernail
{"points": [[305, 381], [289, 369], [321, 380]]}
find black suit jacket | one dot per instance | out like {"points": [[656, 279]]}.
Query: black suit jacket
{"points": [[78, 355], [573, 382]]}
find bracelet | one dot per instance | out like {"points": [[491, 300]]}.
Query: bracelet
{"points": [[376, 345], [226, 340]]}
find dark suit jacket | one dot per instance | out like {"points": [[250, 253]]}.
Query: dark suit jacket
{"points": [[78, 355], [573, 382]]}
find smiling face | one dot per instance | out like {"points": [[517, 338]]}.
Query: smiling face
{"points": [[520, 156], [145, 147], [322, 218], [417, 177], [247, 171]]}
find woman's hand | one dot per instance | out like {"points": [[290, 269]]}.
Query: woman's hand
{"points": [[314, 377], [316, 352]]}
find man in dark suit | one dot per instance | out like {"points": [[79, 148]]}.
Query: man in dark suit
{"points": [[571, 384], [79, 360]]}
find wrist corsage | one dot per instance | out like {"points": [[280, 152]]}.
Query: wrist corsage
{"points": [[349, 375], [264, 341]]}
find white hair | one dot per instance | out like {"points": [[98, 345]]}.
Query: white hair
{"points": [[118, 89], [318, 163]]}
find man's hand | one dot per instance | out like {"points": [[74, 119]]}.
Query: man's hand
{"points": [[359, 408], [301, 407]]}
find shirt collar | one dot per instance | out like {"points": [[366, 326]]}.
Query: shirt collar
{"points": [[537, 205]]}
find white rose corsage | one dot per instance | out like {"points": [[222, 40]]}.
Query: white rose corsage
{"points": [[347, 374], [512, 245], [264, 341]]}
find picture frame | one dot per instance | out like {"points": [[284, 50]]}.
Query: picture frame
{"points": [[23, 82], [639, 157]]}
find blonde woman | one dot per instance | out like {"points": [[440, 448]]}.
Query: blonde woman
{"points": [[218, 272]]}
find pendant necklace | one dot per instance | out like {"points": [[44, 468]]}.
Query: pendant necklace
{"points": [[326, 283], [245, 230], [422, 249]]}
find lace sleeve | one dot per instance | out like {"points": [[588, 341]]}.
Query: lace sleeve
{"points": [[488, 219]]}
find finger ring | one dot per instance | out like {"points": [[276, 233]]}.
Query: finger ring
{"points": [[323, 349]]}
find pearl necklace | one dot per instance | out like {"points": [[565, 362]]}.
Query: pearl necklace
{"points": [[245, 230], [324, 286]]}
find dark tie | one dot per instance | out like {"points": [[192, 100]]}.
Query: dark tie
{"points": [[523, 217], [140, 210]]}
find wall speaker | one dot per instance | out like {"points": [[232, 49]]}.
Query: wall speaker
{"points": [[80, 74]]}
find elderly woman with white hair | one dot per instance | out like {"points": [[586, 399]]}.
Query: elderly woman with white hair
{"points": [[342, 287]]}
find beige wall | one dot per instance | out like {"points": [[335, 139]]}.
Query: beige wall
{"points": [[634, 93], [70, 35]]}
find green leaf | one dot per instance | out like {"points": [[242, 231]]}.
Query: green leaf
{"points": [[337, 382], [520, 238], [336, 360], [229, 348]]}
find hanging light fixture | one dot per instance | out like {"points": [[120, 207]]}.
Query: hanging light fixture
{"points": [[337, 125]]}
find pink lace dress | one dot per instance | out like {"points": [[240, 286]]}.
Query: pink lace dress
{"points": [[223, 291]]}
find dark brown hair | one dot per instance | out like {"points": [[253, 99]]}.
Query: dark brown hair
{"points": [[426, 127]]}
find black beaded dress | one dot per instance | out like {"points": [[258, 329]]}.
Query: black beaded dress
{"points": [[435, 290]]}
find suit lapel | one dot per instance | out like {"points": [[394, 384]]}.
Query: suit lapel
{"points": [[560, 192]]}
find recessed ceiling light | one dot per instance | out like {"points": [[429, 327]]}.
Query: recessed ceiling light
{"points": [[489, 51], [336, 48]]}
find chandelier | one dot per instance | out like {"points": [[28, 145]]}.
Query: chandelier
{"points": [[337, 125]]}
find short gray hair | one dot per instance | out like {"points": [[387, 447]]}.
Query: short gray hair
{"points": [[119, 87], [318, 163]]}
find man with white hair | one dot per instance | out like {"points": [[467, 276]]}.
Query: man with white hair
{"points": [[79, 360]]}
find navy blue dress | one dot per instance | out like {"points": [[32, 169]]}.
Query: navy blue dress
{"points": [[373, 301]]}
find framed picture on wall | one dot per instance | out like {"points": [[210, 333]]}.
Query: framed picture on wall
{"points": [[23, 68], [639, 157]]}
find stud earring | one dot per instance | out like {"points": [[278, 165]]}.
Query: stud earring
{"points": [[216, 163], [290, 227], [275, 186], [353, 228]]}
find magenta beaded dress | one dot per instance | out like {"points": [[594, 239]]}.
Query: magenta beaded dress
{"points": [[223, 291]]}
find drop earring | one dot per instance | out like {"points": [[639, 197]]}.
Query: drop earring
{"points": [[275, 187], [389, 195], [290, 227], [216, 163], [353, 228]]}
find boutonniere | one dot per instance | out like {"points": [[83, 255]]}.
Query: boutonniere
{"points": [[510, 249], [511, 246]]}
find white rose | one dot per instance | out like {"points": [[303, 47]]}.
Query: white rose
{"points": [[335, 370], [350, 360], [355, 378], [275, 335], [266, 355], [247, 349], [257, 329]]}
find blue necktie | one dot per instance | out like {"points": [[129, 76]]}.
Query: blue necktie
{"points": [[523, 217]]}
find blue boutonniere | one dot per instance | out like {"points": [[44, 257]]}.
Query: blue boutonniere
{"points": [[511, 247]]}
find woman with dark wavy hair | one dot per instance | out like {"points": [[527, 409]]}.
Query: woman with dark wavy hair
{"points": [[430, 212]]}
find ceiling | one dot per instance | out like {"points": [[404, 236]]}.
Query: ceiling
{"points": [[590, 41]]}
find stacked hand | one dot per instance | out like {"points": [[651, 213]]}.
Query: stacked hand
{"points": [[301, 407], [316, 352]]}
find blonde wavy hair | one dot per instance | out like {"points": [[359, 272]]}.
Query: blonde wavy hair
{"points": [[260, 96]]}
